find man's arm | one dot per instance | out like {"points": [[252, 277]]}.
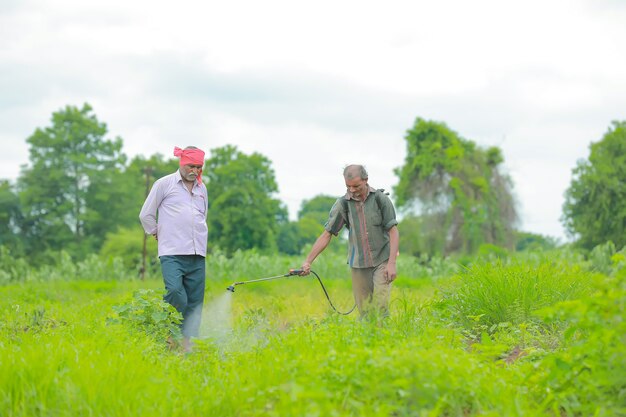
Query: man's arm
{"points": [[148, 214], [318, 247], [394, 244]]}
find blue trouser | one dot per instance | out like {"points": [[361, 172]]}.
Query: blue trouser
{"points": [[184, 277]]}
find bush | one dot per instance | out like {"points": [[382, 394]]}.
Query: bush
{"points": [[588, 375], [490, 252], [95, 268], [149, 313], [12, 269], [495, 293], [127, 244]]}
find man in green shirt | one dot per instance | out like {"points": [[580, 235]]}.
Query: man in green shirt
{"points": [[373, 240]]}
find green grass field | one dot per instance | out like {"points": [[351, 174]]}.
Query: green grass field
{"points": [[493, 341]]}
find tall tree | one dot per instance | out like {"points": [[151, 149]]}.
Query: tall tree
{"points": [[594, 210], [243, 213], [317, 208], [10, 218], [458, 190], [71, 163], [132, 188], [312, 216], [526, 241], [135, 182]]}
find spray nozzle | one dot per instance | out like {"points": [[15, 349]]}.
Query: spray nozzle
{"points": [[231, 288]]}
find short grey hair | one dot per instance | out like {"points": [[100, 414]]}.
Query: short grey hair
{"points": [[355, 171]]}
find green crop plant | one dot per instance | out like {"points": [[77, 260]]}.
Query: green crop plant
{"points": [[589, 372], [241, 265], [149, 313], [285, 352]]}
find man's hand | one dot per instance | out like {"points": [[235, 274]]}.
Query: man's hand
{"points": [[306, 269], [390, 272]]}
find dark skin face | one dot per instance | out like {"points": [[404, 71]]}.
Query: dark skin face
{"points": [[190, 172], [357, 188]]}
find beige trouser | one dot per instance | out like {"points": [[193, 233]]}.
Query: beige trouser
{"points": [[371, 291]]}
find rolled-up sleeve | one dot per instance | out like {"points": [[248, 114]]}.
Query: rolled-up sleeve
{"points": [[388, 213], [336, 218]]}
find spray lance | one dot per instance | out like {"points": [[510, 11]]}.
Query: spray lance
{"points": [[291, 273]]}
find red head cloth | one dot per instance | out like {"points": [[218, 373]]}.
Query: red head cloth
{"points": [[190, 156]]}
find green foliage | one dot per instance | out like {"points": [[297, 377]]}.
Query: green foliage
{"points": [[284, 354], [251, 264], [62, 268], [490, 294], [486, 253], [12, 269], [73, 168], [601, 258], [317, 209], [290, 239], [124, 237], [126, 244], [606, 259], [10, 217], [415, 243], [136, 181], [462, 198], [241, 265], [490, 252], [527, 241], [293, 237], [242, 213], [92, 268], [590, 373], [147, 312], [594, 209]]}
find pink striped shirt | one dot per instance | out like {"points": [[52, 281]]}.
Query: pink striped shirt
{"points": [[177, 216]]}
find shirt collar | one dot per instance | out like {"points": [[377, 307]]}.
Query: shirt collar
{"points": [[370, 190], [179, 178]]}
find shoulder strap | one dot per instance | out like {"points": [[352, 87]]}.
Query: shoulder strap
{"points": [[379, 195], [344, 208]]}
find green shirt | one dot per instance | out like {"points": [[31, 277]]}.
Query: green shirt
{"points": [[368, 223]]}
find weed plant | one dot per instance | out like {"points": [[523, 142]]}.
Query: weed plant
{"points": [[495, 293]]}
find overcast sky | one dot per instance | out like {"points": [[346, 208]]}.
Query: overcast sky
{"points": [[317, 85]]}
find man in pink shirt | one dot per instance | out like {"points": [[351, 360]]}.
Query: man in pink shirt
{"points": [[175, 214]]}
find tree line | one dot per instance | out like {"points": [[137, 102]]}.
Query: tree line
{"points": [[81, 194]]}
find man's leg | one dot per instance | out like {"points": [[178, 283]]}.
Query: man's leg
{"points": [[173, 272], [194, 283], [382, 290], [362, 288]]}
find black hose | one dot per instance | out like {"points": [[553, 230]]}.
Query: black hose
{"points": [[294, 272], [328, 297]]}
